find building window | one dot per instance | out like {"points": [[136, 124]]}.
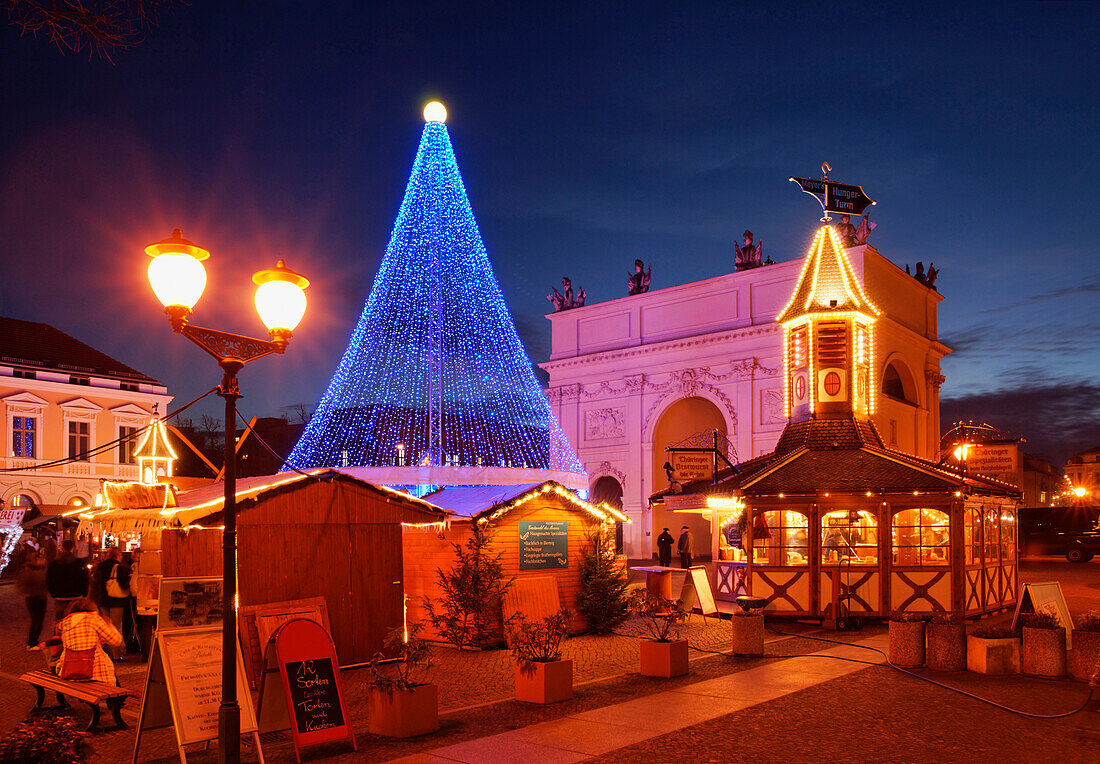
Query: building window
{"points": [[921, 537], [129, 387], [851, 534], [781, 538], [893, 432], [75, 380], [24, 374], [79, 441], [23, 436], [127, 445]]}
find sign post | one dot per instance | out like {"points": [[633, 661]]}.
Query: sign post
{"points": [[841, 198], [312, 701]]}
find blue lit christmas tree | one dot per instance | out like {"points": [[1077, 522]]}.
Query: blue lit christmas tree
{"points": [[434, 372]]}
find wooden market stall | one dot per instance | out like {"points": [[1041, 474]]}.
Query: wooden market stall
{"points": [[541, 528], [324, 533]]}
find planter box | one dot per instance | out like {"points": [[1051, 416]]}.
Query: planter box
{"points": [[946, 646], [404, 713], [1085, 655], [993, 656], [665, 659], [907, 643], [544, 682], [1043, 652], [748, 634]]}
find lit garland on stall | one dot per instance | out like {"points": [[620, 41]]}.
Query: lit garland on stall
{"points": [[435, 351], [603, 511]]}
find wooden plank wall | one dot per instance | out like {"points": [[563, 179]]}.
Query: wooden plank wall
{"points": [[424, 552], [332, 539]]}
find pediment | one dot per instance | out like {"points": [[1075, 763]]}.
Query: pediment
{"points": [[130, 410], [81, 404], [25, 399]]}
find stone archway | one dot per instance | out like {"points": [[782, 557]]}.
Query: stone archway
{"points": [[684, 418]]}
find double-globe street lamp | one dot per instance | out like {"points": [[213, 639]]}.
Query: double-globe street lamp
{"points": [[178, 278]]}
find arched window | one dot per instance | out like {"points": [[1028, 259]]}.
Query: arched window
{"points": [[897, 383], [849, 534], [781, 538], [921, 537], [23, 501]]}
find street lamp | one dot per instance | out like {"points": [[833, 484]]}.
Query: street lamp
{"points": [[178, 278]]}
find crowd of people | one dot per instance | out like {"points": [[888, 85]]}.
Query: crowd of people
{"points": [[94, 611]]}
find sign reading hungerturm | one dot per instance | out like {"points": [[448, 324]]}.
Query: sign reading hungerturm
{"points": [[543, 544]]}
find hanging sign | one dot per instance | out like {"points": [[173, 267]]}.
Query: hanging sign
{"points": [[183, 688], [842, 198], [543, 544], [309, 699], [693, 465], [11, 518]]}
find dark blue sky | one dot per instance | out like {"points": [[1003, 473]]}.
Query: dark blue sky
{"points": [[588, 134]]}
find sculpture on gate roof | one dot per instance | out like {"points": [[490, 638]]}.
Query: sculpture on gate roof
{"points": [[567, 300], [638, 281], [749, 255]]}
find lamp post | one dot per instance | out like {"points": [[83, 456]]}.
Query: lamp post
{"points": [[178, 278]]}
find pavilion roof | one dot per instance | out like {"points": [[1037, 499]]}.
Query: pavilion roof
{"points": [[827, 282]]}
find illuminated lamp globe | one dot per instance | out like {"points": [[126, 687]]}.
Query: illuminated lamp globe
{"points": [[176, 273], [280, 300], [1080, 492], [434, 111]]}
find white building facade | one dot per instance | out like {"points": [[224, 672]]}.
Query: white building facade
{"points": [[60, 399], [632, 376]]}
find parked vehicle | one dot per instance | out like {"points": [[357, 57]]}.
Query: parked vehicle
{"points": [[1069, 531]]}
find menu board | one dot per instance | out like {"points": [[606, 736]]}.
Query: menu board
{"points": [[314, 695], [300, 660], [543, 544]]}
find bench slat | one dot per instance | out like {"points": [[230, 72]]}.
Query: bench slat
{"points": [[85, 691]]}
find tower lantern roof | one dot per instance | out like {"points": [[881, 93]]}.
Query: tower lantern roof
{"points": [[827, 283]]}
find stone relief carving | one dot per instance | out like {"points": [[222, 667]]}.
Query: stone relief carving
{"points": [[606, 468], [602, 424], [771, 407]]}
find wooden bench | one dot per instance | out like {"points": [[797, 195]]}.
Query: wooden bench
{"points": [[92, 693]]}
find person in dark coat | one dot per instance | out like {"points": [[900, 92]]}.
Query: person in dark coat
{"points": [[664, 548], [685, 545], [66, 579], [112, 589], [30, 580]]}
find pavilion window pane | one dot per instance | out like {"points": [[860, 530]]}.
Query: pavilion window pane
{"points": [[921, 537], [1008, 535], [973, 529], [781, 538], [992, 535], [849, 535]]}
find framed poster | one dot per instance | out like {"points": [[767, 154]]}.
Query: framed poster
{"points": [[543, 544], [189, 603]]}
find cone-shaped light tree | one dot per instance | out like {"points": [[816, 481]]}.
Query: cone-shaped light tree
{"points": [[434, 372]]}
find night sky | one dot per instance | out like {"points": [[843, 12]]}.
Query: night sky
{"points": [[588, 135]]}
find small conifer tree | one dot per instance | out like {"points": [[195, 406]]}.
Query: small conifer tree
{"points": [[602, 600], [469, 610]]}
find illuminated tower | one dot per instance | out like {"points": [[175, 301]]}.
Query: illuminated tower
{"points": [[828, 338], [434, 373], [154, 455]]}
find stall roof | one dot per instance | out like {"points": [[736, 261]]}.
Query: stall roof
{"points": [[203, 502], [483, 501]]}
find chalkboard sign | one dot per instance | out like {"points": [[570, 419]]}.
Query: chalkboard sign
{"points": [[543, 544], [314, 695], [311, 703]]}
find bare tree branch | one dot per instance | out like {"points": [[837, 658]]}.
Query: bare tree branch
{"points": [[98, 26]]}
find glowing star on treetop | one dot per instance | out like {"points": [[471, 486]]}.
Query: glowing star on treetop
{"points": [[434, 373]]}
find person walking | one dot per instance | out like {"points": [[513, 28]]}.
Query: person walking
{"points": [[685, 546], [113, 591], [30, 580], [83, 633], [66, 579], [664, 548]]}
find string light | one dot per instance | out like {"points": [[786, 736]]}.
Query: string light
{"points": [[435, 363], [603, 511]]}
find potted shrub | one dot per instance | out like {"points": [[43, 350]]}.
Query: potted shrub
{"points": [[662, 655], [1085, 655], [1043, 650], [541, 674], [906, 639], [993, 650], [748, 627], [946, 643], [401, 702]]}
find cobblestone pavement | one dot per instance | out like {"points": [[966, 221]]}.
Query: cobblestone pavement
{"points": [[840, 720]]}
